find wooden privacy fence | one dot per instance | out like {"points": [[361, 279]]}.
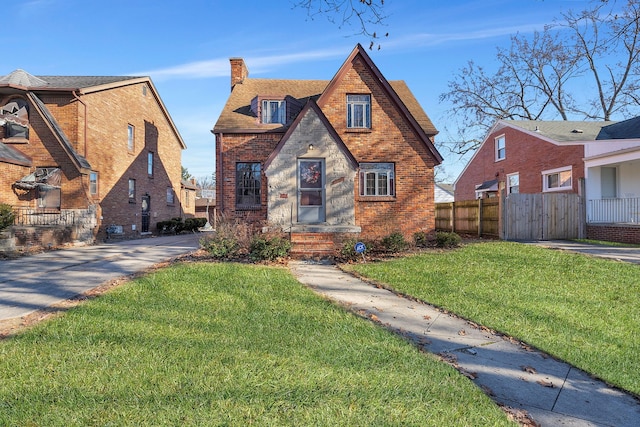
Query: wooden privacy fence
{"points": [[481, 217], [542, 216]]}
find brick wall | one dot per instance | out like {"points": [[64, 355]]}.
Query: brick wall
{"points": [[108, 155], [235, 148], [526, 155], [614, 233], [390, 139]]}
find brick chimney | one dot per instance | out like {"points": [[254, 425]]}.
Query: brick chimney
{"points": [[239, 71]]}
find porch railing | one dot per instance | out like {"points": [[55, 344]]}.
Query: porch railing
{"points": [[617, 211], [28, 216]]}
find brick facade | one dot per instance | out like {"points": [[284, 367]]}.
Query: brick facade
{"points": [[622, 233], [526, 155], [393, 137], [95, 122]]}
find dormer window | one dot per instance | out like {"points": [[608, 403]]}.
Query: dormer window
{"points": [[274, 111]]}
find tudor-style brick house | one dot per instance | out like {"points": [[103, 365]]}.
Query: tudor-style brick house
{"points": [[88, 154], [351, 155]]}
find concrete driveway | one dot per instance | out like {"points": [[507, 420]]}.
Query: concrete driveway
{"points": [[37, 281], [619, 253]]}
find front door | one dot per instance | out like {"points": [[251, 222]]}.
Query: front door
{"points": [[311, 195], [146, 205]]}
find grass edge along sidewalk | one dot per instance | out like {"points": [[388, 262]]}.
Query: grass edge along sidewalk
{"points": [[578, 308], [226, 344]]}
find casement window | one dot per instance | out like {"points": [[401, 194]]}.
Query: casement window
{"points": [[248, 185], [170, 196], [93, 183], [501, 152], [150, 163], [274, 111], [513, 183], [359, 111], [557, 179], [132, 190], [377, 179], [130, 137]]}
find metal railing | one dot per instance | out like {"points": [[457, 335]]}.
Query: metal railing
{"points": [[614, 211], [28, 216]]}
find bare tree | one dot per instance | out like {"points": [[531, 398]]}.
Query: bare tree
{"points": [[583, 67], [366, 15]]}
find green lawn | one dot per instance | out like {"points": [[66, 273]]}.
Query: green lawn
{"points": [[581, 309], [226, 344]]}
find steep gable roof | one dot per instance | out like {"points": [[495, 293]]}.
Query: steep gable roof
{"points": [[237, 116], [416, 116], [20, 80]]}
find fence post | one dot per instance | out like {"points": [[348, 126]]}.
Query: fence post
{"points": [[480, 202], [453, 217]]}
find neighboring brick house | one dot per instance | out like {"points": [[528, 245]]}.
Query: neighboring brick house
{"points": [[87, 153], [351, 155], [527, 156]]}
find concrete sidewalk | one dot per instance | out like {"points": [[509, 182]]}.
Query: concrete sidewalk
{"points": [[618, 253], [552, 392]]}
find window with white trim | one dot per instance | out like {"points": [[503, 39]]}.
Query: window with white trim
{"points": [[150, 163], [359, 111], [130, 137], [501, 151], [557, 179], [274, 111], [377, 179], [132, 190], [513, 183]]}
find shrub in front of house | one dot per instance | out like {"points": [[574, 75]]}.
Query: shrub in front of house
{"points": [[268, 248], [6, 216], [394, 242], [221, 246], [446, 239], [194, 224], [421, 239]]}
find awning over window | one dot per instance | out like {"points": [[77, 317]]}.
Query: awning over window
{"points": [[42, 178], [488, 186]]}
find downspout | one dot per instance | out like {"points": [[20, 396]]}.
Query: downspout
{"points": [[219, 173], [84, 142]]}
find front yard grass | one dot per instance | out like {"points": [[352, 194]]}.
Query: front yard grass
{"points": [[581, 309], [226, 344]]}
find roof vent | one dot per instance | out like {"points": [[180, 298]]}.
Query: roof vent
{"points": [[577, 131]]}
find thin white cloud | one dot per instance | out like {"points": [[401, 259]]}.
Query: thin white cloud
{"points": [[435, 39], [220, 67]]}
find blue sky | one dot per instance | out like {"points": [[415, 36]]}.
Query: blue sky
{"points": [[185, 48]]}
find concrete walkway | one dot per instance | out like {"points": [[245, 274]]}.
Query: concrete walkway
{"points": [[552, 392]]}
